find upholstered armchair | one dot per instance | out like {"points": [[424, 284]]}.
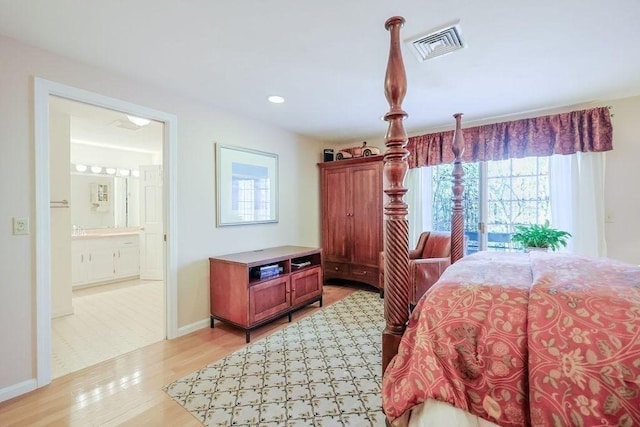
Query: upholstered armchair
{"points": [[427, 261]]}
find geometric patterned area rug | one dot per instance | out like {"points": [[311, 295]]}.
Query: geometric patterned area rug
{"points": [[324, 370]]}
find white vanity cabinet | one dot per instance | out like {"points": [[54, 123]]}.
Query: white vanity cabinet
{"points": [[127, 258], [79, 263], [103, 259]]}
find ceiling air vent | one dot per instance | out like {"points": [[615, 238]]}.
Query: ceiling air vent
{"points": [[437, 43], [124, 124]]}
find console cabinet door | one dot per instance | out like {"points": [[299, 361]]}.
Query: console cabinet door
{"points": [[306, 285], [269, 298]]}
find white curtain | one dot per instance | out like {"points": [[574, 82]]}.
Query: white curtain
{"points": [[420, 201], [577, 201]]}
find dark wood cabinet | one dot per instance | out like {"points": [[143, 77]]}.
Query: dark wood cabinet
{"points": [[352, 200], [249, 289]]}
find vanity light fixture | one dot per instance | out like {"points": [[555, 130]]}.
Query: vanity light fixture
{"points": [[104, 170], [276, 99], [138, 120]]}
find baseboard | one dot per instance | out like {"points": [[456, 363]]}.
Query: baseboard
{"points": [[17, 389], [200, 324], [65, 312], [105, 282]]}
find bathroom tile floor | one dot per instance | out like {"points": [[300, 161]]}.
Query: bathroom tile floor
{"points": [[108, 321]]}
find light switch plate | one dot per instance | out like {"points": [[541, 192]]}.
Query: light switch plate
{"points": [[20, 225]]}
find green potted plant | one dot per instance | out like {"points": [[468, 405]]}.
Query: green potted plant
{"points": [[540, 236]]}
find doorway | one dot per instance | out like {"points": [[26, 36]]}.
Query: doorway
{"points": [[43, 89], [107, 166]]}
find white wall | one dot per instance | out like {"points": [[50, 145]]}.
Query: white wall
{"points": [[622, 196], [199, 126], [622, 200], [113, 157]]}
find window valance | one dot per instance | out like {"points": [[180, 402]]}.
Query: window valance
{"points": [[567, 133]]}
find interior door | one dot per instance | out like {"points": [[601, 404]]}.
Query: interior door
{"points": [[60, 189], [152, 229]]}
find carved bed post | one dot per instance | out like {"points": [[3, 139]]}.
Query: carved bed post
{"points": [[457, 210], [396, 232]]}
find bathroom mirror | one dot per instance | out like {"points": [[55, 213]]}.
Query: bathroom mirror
{"points": [[101, 201]]}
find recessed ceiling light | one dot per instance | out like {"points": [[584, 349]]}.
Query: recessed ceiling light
{"points": [[276, 99], [81, 168], [96, 169]]}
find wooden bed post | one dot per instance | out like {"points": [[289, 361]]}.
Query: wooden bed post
{"points": [[457, 210], [396, 232]]}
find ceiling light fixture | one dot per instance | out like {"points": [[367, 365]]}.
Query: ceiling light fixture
{"points": [[138, 120], [104, 170], [276, 99]]}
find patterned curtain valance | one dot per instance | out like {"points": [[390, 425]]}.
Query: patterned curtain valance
{"points": [[567, 133]]}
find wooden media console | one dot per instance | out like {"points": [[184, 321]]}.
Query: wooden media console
{"points": [[249, 289]]}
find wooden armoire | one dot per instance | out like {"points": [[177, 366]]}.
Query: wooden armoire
{"points": [[352, 203]]}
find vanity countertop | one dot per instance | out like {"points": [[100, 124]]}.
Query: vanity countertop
{"points": [[98, 233]]}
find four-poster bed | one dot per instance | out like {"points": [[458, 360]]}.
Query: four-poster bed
{"points": [[506, 338]]}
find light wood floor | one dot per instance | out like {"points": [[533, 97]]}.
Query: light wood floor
{"points": [[127, 390]]}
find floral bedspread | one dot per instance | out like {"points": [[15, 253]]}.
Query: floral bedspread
{"points": [[524, 339]]}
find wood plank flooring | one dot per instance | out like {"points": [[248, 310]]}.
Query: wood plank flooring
{"points": [[127, 390]]}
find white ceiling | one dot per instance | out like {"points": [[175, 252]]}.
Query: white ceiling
{"points": [[328, 58], [101, 127]]}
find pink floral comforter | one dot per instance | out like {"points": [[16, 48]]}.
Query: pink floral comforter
{"points": [[525, 339]]}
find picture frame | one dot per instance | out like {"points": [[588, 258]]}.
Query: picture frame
{"points": [[246, 186]]}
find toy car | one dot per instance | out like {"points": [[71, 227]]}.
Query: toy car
{"points": [[361, 151]]}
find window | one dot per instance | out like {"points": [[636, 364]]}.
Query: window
{"points": [[498, 195], [250, 192]]}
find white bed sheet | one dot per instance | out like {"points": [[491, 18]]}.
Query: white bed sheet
{"points": [[433, 413]]}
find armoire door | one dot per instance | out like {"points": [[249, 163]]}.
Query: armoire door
{"points": [[335, 214], [366, 218]]}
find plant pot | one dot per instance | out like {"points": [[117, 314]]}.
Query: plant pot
{"points": [[532, 249]]}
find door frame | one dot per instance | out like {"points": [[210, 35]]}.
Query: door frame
{"points": [[42, 90]]}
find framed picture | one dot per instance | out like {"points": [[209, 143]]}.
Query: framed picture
{"points": [[246, 186]]}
